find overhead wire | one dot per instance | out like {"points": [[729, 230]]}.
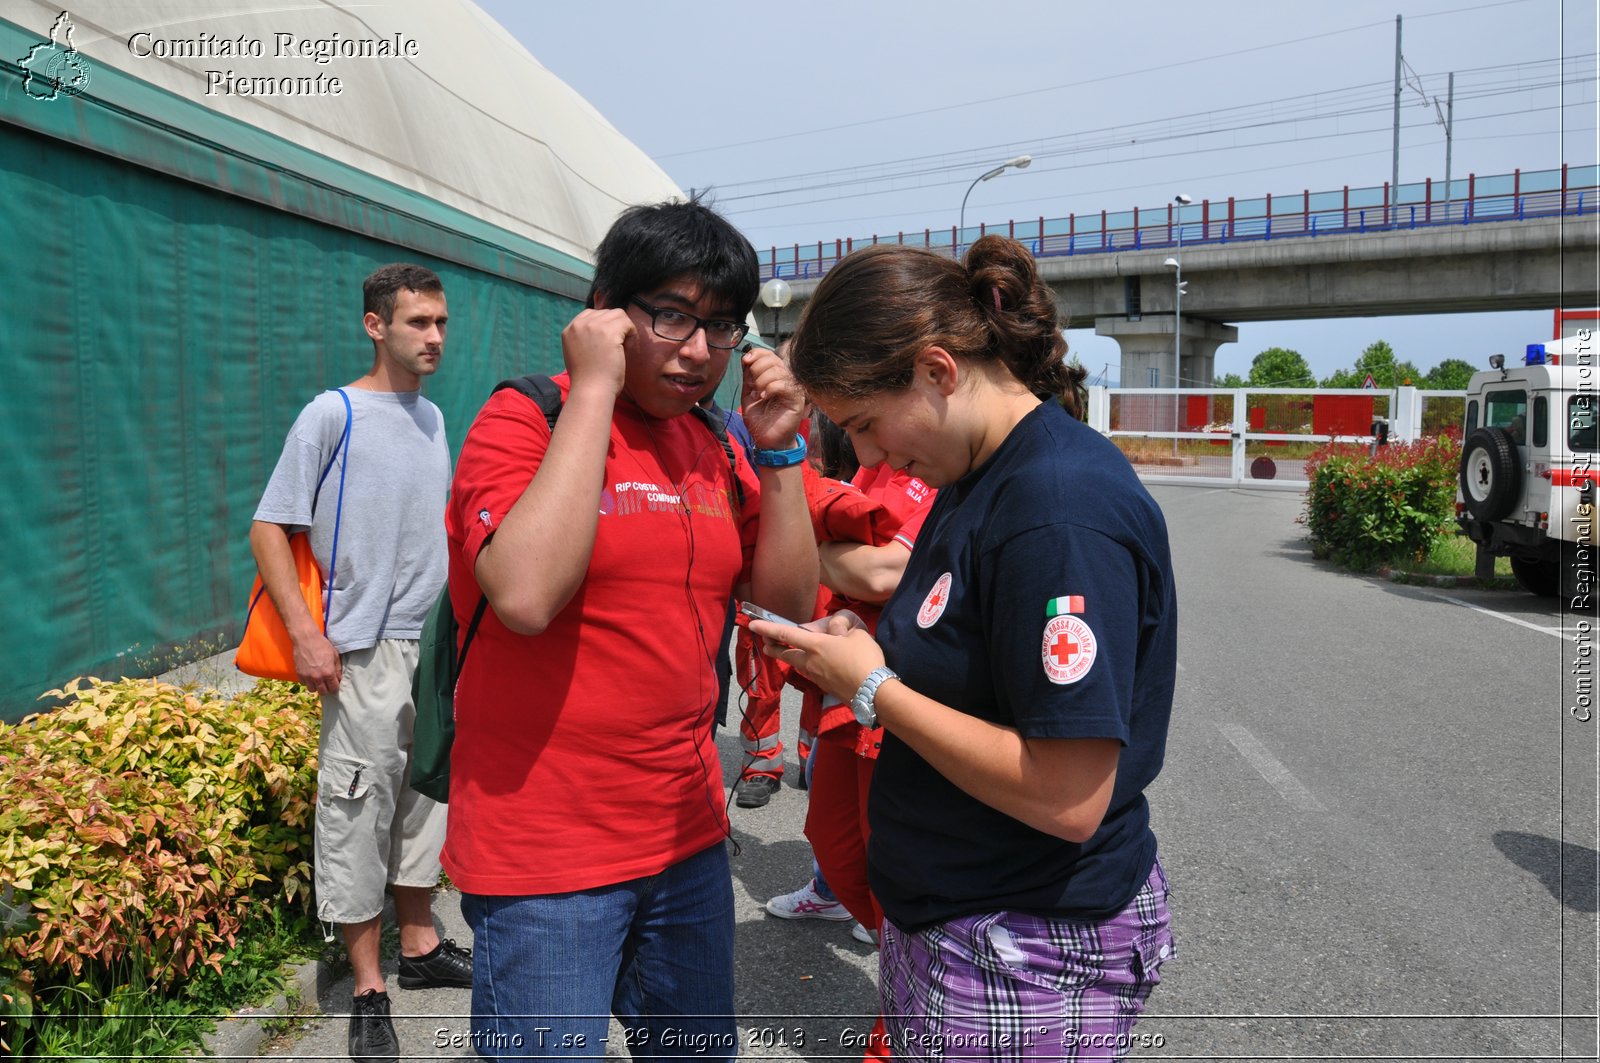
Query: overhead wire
{"points": [[931, 177], [963, 157], [754, 196], [1253, 170], [1164, 66], [1120, 136]]}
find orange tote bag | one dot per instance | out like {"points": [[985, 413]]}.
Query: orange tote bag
{"points": [[267, 651]]}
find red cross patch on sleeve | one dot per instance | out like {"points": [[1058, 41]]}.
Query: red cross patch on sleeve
{"points": [[1068, 650]]}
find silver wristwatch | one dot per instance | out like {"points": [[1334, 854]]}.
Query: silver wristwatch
{"points": [[862, 704]]}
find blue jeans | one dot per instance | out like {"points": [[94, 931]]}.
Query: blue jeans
{"points": [[549, 969]]}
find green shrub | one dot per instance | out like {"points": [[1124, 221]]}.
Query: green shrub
{"points": [[141, 824], [1365, 510]]}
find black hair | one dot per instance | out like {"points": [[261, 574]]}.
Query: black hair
{"points": [[378, 291], [648, 246], [838, 455]]}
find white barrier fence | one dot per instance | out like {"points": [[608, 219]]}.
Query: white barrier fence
{"points": [[1258, 436]]}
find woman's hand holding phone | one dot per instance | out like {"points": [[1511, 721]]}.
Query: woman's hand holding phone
{"points": [[835, 652]]}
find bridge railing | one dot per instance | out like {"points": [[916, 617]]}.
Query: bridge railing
{"points": [[1569, 191]]}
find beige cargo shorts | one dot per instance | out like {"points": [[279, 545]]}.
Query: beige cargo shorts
{"points": [[372, 829]]}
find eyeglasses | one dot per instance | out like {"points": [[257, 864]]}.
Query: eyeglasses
{"points": [[678, 326]]}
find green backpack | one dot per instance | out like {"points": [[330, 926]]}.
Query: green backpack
{"points": [[433, 685]]}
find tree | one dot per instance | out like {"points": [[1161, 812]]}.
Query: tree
{"points": [[1229, 380], [1378, 360], [1452, 374], [1278, 367]]}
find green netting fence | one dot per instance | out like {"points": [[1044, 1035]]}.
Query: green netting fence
{"points": [[161, 333]]}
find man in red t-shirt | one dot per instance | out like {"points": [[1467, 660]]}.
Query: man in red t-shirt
{"points": [[587, 824]]}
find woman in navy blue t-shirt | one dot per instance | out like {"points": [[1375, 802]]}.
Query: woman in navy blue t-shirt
{"points": [[1023, 669]]}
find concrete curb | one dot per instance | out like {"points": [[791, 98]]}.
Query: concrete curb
{"points": [[1495, 583], [241, 1036]]}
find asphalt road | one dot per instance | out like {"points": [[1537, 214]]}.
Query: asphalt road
{"points": [[1378, 816], [1371, 793]]}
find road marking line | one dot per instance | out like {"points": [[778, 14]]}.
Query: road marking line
{"points": [[1271, 769], [1557, 632]]}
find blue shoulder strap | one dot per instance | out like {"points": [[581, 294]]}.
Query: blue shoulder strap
{"points": [[338, 514]]}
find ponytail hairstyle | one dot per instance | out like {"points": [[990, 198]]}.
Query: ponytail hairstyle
{"points": [[874, 312], [1076, 396]]}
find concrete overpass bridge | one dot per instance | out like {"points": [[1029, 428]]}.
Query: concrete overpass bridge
{"points": [[1520, 241]]}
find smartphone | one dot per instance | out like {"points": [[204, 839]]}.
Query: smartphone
{"points": [[755, 612]]}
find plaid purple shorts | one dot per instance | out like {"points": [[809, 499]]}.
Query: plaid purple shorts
{"points": [[1009, 986]]}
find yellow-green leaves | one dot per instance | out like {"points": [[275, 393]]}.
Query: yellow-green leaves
{"points": [[140, 819]]}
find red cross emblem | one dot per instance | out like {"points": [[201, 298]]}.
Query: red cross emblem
{"points": [[1063, 649], [933, 605], [1069, 649]]}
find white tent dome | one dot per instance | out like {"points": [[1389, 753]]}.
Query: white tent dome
{"points": [[463, 115]]}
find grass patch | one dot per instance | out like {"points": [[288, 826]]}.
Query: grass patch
{"points": [[1143, 450], [258, 967], [1455, 555], [133, 1020]]}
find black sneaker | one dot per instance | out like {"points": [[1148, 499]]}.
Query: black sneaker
{"points": [[447, 966], [753, 791], [372, 1037]]}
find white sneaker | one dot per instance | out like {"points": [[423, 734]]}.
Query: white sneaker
{"points": [[863, 935], [807, 903]]}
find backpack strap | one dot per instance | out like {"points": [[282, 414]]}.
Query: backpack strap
{"points": [[542, 390], [472, 629], [717, 421], [547, 396]]}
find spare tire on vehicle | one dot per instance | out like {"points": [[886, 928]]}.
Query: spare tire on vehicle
{"points": [[1491, 473]]}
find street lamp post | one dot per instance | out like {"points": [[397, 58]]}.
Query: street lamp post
{"points": [[776, 294], [1176, 265], [1019, 163]]}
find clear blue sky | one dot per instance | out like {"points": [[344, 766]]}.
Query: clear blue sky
{"points": [[789, 110]]}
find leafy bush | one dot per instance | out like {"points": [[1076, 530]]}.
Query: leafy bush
{"points": [[142, 823], [1368, 509]]}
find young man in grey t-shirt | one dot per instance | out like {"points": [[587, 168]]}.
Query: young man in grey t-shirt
{"points": [[377, 524]]}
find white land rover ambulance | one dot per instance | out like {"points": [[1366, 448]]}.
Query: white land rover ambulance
{"points": [[1530, 461]]}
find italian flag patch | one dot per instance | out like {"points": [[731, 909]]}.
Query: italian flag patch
{"points": [[1067, 605]]}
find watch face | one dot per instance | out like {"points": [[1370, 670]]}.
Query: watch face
{"points": [[863, 704]]}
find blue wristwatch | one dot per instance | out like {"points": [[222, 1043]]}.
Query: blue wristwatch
{"points": [[782, 459]]}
